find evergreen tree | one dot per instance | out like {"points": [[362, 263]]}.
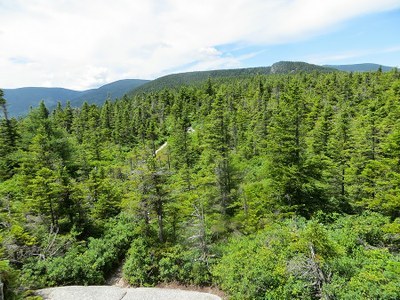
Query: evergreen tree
{"points": [[45, 190], [8, 141], [218, 145]]}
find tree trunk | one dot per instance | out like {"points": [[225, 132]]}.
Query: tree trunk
{"points": [[160, 220], [342, 182], [1, 290], [321, 278]]}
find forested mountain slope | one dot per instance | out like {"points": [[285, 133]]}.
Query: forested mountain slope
{"points": [[286, 188], [174, 81], [290, 67], [195, 78], [111, 91]]}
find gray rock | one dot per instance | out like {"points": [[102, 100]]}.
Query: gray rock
{"points": [[116, 293], [83, 293], [166, 294]]}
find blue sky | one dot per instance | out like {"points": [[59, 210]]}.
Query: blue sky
{"points": [[371, 38], [84, 44]]}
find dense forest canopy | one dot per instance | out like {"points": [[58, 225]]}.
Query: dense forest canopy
{"points": [[268, 186]]}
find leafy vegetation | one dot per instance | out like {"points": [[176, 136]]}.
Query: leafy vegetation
{"points": [[277, 186], [296, 259]]}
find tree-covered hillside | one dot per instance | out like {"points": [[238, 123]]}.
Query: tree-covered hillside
{"points": [[112, 91], [174, 81], [268, 187], [290, 67]]}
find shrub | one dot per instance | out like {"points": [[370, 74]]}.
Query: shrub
{"points": [[82, 264], [146, 266], [307, 260], [140, 268]]}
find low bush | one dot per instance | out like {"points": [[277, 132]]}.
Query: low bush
{"points": [[146, 266], [300, 259], [83, 263]]}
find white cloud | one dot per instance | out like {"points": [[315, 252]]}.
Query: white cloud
{"points": [[81, 44], [391, 49], [335, 57], [210, 52], [354, 54]]}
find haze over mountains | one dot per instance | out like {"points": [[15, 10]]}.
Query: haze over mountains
{"points": [[21, 99], [367, 67]]}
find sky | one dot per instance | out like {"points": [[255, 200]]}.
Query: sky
{"points": [[79, 44]]}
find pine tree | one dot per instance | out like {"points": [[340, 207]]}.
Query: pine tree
{"points": [[45, 190], [149, 197], [218, 146], [294, 182], [8, 141], [366, 168], [106, 119], [68, 117], [58, 115]]}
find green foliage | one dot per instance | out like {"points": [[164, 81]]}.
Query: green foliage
{"points": [[247, 276], [366, 274], [271, 164], [140, 266], [147, 265], [83, 264], [300, 260], [8, 276], [178, 264], [8, 140]]}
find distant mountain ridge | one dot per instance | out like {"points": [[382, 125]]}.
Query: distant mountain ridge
{"points": [[21, 99], [189, 78], [289, 67], [113, 90], [366, 67]]}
